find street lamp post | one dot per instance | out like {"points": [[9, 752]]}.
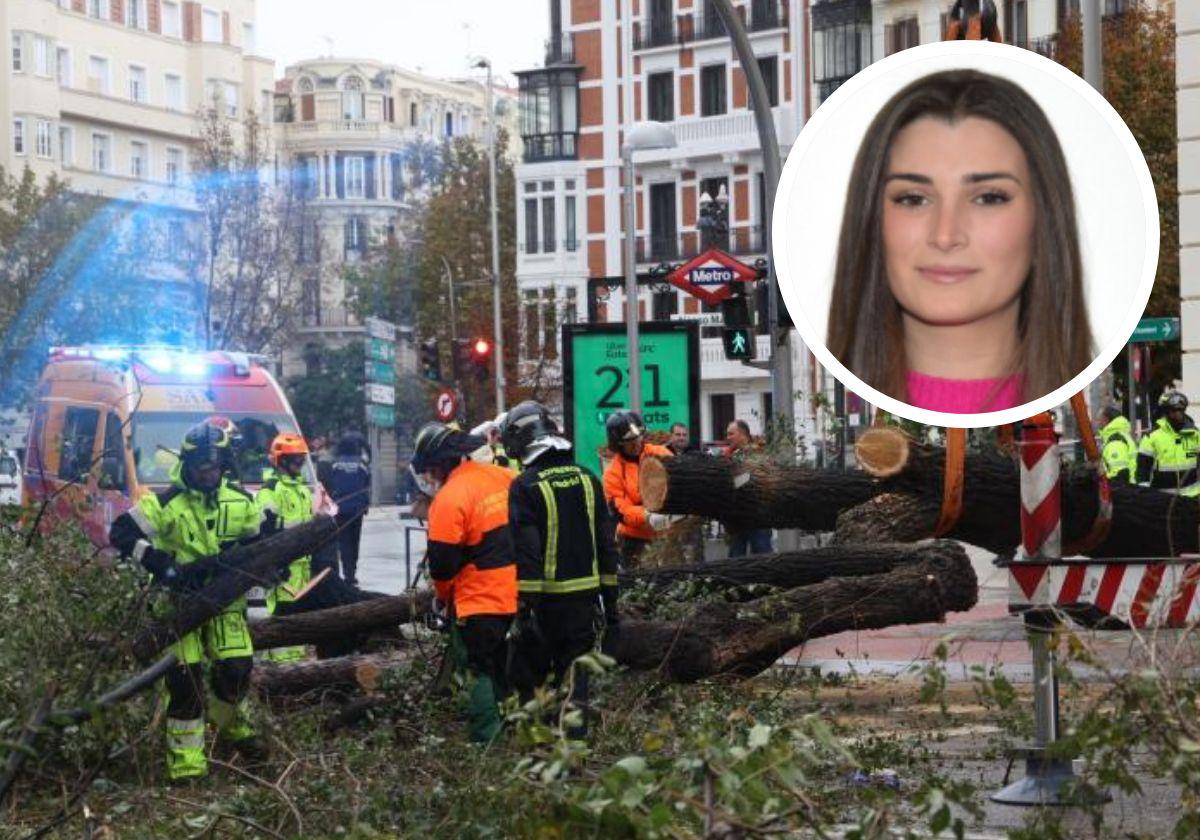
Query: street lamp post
{"points": [[450, 286], [643, 135], [498, 337]]}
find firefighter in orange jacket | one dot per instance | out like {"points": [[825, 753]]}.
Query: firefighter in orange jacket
{"points": [[636, 526], [472, 562]]}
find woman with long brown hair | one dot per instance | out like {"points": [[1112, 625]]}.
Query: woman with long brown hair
{"points": [[958, 284]]}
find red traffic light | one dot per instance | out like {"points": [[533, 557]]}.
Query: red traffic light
{"points": [[482, 347]]}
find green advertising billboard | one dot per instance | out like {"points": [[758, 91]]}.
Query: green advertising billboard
{"points": [[596, 380]]}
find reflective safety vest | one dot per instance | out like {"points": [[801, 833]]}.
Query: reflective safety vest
{"points": [[624, 493], [290, 500], [1173, 455], [472, 562], [558, 519], [1119, 450]]}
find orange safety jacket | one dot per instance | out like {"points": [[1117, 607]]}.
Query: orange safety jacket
{"points": [[624, 493], [472, 562]]}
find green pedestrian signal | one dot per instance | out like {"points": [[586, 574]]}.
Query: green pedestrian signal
{"points": [[738, 342]]}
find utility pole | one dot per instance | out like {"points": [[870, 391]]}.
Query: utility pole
{"points": [[498, 336], [1101, 388]]}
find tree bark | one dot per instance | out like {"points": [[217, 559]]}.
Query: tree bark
{"points": [[336, 623], [1146, 522], [239, 569], [25, 744], [805, 568], [360, 672], [742, 640]]}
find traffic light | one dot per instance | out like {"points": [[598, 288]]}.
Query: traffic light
{"points": [[462, 358], [431, 360], [481, 354], [738, 342]]}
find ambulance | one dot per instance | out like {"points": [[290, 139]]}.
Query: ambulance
{"points": [[108, 421]]}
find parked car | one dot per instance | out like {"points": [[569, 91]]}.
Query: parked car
{"points": [[10, 478]]}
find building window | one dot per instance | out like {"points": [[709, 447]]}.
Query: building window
{"points": [[266, 105], [139, 155], [98, 9], [900, 35], [722, 410], [412, 114], [211, 29], [135, 14], [663, 223], [355, 235], [248, 42], [137, 83], [231, 99], [18, 55], [449, 124], [549, 102], [101, 152], [44, 133], [19, 137], [531, 226], [712, 90], [173, 88], [768, 66], [549, 239], [66, 145], [172, 21], [352, 98], [356, 177], [663, 305], [1017, 20], [98, 77], [174, 165], [841, 42], [539, 217], [41, 56], [660, 96], [63, 66], [569, 241]]}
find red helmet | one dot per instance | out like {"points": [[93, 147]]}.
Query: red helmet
{"points": [[286, 443]]}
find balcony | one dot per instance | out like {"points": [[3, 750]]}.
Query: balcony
{"points": [[708, 25], [698, 136], [744, 241], [767, 14], [562, 145], [661, 32], [1047, 46], [560, 49]]}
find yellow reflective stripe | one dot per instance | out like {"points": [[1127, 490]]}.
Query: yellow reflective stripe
{"points": [[589, 496], [551, 559], [531, 586], [186, 733], [608, 580], [558, 587], [140, 519]]}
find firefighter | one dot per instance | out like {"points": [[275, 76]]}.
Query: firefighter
{"points": [[471, 562], [1167, 454], [566, 560], [286, 500], [1117, 446], [202, 513], [636, 526]]}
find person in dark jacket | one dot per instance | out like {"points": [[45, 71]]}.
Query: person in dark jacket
{"points": [[350, 486], [566, 558]]}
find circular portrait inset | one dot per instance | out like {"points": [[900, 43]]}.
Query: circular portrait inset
{"points": [[965, 234]]}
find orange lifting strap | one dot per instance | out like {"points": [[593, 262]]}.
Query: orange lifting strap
{"points": [[1098, 533], [952, 482]]}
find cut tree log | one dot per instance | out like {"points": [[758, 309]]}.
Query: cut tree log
{"points": [[336, 623], [238, 569], [741, 640], [349, 672], [25, 745], [793, 569], [1146, 522]]}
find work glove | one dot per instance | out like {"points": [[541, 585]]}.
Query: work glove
{"points": [[662, 521], [189, 577], [160, 564], [437, 618], [272, 523]]}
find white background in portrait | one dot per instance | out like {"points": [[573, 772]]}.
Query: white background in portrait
{"points": [[1116, 210]]}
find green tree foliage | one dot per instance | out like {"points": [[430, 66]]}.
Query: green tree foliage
{"points": [[456, 229], [1138, 55], [329, 399]]}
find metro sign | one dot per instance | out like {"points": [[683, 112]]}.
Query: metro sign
{"points": [[711, 276]]}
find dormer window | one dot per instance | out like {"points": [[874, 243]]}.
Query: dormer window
{"points": [[352, 98]]}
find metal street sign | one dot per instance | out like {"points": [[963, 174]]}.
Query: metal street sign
{"points": [[1155, 329], [445, 405], [381, 372], [381, 394], [704, 319], [381, 349], [711, 275], [379, 328], [596, 380], [383, 416]]}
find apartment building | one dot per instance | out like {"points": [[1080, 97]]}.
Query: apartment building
{"points": [[360, 133], [569, 184], [1187, 63]]}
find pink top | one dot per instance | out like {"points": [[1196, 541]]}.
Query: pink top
{"points": [[963, 396]]}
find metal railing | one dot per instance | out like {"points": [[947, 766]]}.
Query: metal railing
{"points": [[562, 145], [560, 49], [767, 14], [660, 32]]}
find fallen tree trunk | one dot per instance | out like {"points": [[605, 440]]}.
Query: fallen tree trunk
{"points": [[239, 569], [742, 640], [1146, 522], [25, 745], [349, 672], [337, 623], [793, 569]]}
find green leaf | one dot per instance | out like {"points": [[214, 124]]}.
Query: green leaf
{"points": [[760, 736], [634, 765]]}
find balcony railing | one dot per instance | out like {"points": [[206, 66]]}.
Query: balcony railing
{"points": [[708, 24], [661, 32], [767, 14], [747, 239], [744, 240], [1047, 46], [561, 49], [561, 145]]}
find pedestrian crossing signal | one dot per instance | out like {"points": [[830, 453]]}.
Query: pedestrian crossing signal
{"points": [[738, 342]]}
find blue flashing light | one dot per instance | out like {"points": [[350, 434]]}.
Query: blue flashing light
{"points": [[159, 362], [110, 354]]}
